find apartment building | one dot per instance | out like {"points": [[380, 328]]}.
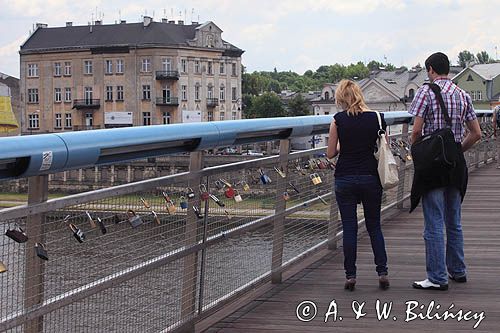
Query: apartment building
{"points": [[127, 74]]}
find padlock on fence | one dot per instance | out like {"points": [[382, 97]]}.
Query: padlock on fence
{"points": [[197, 212], [237, 196], [227, 214], [41, 251], [190, 193], [280, 172], [171, 208], [294, 187], [3, 268], [145, 203], [219, 184], [265, 179], [77, 233], [183, 203], [101, 226], [133, 219], [155, 217], [315, 178], [17, 234], [204, 195], [286, 196], [229, 193], [322, 200], [246, 187], [225, 182], [91, 220], [217, 200]]}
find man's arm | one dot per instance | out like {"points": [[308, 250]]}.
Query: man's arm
{"points": [[416, 133], [473, 136]]}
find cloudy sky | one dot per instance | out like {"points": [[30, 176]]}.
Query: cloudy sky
{"points": [[292, 35]]}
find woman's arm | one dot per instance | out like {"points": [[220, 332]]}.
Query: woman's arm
{"points": [[333, 141]]}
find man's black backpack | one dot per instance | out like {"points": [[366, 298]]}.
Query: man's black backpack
{"points": [[438, 150]]}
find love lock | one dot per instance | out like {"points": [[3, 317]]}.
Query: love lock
{"points": [[286, 196], [101, 226], [183, 203], [155, 217], [229, 193], [3, 268], [204, 195], [246, 187], [315, 178], [197, 212], [77, 233], [280, 172], [217, 201], [133, 219], [17, 234], [41, 251], [91, 220], [145, 203], [237, 196], [190, 193]]}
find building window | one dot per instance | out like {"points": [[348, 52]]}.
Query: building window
{"points": [[184, 93], [89, 120], [197, 66], [146, 65], [67, 68], [119, 93], [222, 93], [411, 94], [469, 78], [167, 64], [67, 120], [233, 94], [32, 70], [58, 123], [221, 115], [34, 121], [166, 118], [57, 69], [197, 92], [479, 95], [210, 71], [146, 92], [87, 67], [108, 67], [235, 115], [119, 66], [67, 94], [184, 65], [210, 91], [33, 96], [109, 93], [473, 95], [57, 95], [327, 95], [222, 68], [146, 118], [88, 92], [210, 116], [233, 69]]}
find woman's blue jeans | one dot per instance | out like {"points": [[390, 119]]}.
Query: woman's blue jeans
{"points": [[349, 191]]}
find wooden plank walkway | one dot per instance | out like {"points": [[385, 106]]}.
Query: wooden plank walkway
{"points": [[322, 282]]}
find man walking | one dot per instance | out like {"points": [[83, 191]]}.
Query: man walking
{"points": [[442, 195]]}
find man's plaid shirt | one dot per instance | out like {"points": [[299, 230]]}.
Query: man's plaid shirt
{"points": [[458, 104]]}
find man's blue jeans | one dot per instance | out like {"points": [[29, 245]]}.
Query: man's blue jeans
{"points": [[442, 209], [349, 190]]}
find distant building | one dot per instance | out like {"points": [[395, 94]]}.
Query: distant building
{"points": [[11, 84], [482, 82], [128, 74]]}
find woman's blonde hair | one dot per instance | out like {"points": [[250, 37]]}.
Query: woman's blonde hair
{"points": [[349, 97]]}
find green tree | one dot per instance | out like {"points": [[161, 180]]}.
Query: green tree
{"points": [[465, 57], [298, 106], [483, 57], [266, 105]]}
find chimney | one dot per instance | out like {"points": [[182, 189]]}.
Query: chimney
{"points": [[123, 21], [194, 22], [164, 20], [180, 22], [171, 21], [41, 25], [98, 22], [69, 24], [147, 21]]}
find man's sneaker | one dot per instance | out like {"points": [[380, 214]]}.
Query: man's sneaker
{"points": [[426, 284], [459, 279]]}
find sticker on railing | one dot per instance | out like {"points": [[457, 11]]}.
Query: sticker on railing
{"points": [[46, 160]]}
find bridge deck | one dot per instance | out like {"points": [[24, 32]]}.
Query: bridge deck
{"points": [[322, 282]]}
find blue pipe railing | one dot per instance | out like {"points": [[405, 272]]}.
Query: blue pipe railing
{"points": [[25, 156]]}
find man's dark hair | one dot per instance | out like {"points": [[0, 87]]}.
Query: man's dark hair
{"points": [[439, 63]]}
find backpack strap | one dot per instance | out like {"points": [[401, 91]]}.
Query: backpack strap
{"points": [[437, 91]]}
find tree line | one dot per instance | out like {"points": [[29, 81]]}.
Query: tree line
{"points": [[260, 88]]}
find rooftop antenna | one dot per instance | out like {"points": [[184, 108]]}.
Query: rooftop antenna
{"points": [[192, 13]]}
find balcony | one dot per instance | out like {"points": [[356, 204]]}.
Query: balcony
{"points": [[167, 75], [85, 127], [212, 102], [86, 103], [167, 101]]}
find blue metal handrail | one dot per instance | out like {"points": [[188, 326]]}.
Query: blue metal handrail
{"points": [[25, 156]]}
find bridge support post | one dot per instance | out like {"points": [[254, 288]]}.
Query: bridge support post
{"points": [[190, 270], [38, 189], [279, 219], [402, 170]]}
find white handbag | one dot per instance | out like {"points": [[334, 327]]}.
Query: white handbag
{"points": [[387, 167]]}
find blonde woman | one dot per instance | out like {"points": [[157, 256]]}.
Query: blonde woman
{"points": [[353, 135]]}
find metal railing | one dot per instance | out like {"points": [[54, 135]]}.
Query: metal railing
{"points": [[174, 101], [186, 256], [167, 75], [86, 103]]}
